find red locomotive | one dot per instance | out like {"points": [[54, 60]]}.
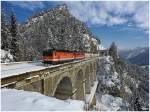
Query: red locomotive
{"points": [[52, 56]]}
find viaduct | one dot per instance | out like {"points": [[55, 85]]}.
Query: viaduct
{"points": [[70, 80]]}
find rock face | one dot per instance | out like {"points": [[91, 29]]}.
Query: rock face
{"points": [[119, 79], [56, 28], [109, 85]]}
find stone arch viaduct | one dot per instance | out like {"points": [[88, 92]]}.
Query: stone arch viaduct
{"points": [[71, 80]]}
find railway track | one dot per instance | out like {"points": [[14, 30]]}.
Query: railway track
{"points": [[16, 68]]}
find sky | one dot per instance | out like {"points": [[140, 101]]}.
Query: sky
{"points": [[126, 23]]}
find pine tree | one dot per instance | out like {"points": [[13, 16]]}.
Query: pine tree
{"points": [[15, 50], [5, 34], [113, 51]]}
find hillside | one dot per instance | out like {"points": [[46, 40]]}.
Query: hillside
{"points": [[124, 83]]}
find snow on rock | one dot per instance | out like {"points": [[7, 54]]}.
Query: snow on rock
{"points": [[86, 37], [109, 83], [94, 41], [111, 103], [19, 100], [6, 56], [106, 74], [34, 19], [128, 90]]}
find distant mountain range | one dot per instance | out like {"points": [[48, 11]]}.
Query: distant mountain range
{"points": [[139, 56]]}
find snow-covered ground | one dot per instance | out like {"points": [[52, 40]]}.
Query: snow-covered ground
{"points": [[19, 68], [19, 100]]}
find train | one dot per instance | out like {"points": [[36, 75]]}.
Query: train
{"points": [[53, 56]]}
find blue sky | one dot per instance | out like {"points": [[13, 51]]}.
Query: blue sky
{"points": [[126, 23]]}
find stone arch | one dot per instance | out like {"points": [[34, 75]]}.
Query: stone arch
{"points": [[87, 83], [79, 86], [64, 89]]}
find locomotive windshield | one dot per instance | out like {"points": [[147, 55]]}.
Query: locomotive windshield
{"points": [[47, 53]]}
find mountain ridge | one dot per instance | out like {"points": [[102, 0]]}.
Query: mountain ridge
{"points": [[139, 56]]}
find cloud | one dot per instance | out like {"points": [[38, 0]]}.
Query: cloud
{"points": [[142, 17], [101, 13], [30, 5], [111, 13]]}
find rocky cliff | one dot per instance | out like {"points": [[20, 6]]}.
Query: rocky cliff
{"points": [[125, 85]]}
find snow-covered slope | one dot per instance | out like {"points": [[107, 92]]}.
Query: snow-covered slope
{"points": [[106, 74], [19, 100], [120, 79], [109, 87]]}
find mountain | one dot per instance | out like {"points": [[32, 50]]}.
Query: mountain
{"points": [[55, 28], [139, 56]]}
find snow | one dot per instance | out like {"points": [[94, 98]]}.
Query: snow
{"points": [[6, 56], [94, 41], [142, 51], [107, 67], [86, 36], [108, 75], [34, 19], [128, 90], [109, 103], [135, 52], [19, 68], [101, 47], [137, 84], [19, 100], [109, 83]]}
